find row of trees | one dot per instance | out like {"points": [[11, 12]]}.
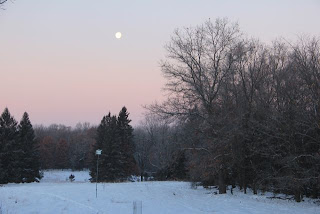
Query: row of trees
{"points": [[241, 112], [62, 147], [19, 157], [115, 139], [23, 151]]}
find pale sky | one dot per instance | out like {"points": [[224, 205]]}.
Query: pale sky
{"points": [[60, 60]]}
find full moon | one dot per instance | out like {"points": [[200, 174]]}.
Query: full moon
{"points": [[118, 35]]}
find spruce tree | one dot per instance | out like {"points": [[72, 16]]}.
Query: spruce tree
{"points": [[114, 162], [115, 139], [126, 143], [8, 138], [17, 160], [30, 159], [107, 140], [100, 140]]}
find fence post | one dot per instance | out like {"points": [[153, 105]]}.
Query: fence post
{"points": [[137, 207]]}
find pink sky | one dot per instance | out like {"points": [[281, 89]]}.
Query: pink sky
{"points": [[60, 60]]}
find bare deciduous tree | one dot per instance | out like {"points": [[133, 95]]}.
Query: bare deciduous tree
{"points": [[250, 111]]}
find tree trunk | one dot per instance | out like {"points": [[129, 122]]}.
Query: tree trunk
{"points": [[141, 176], [244, 187], [244, 182], [254, 188], [315, 192], [297, 195], [222, 183]]}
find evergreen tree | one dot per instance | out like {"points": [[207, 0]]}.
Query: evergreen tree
{"points": [[8, 137], [114, 161], [115, 139], [108, 141], [18, 164], [100, 140], [126, 142], [30, 156]]}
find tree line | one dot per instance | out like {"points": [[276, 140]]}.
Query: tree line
{"points": [[239, 112], [25, 151], [63, 147]]}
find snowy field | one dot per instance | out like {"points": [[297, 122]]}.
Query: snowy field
{"points": [[57, 195]]}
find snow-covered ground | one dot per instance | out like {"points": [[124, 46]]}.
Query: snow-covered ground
{"points": [[62, 176], [54, 194]]}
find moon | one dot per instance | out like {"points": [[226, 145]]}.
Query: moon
{"points": [[118, 35]]}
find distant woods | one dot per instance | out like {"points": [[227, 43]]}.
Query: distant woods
{"points": [[63, 147], [238, 112]]}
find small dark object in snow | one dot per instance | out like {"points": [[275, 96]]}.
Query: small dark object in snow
{"points": [[71, 177]]}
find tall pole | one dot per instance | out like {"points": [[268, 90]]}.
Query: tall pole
{"points": [[97, 177]]}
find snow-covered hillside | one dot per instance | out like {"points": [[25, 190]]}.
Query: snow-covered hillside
{"points": [[56, 195]]}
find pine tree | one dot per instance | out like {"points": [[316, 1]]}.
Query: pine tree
{"points": [[18, 164], [30, 159], [114, 161], [100, 139], [8, 137], [109, 161], [114, 138], [126, 143]]}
